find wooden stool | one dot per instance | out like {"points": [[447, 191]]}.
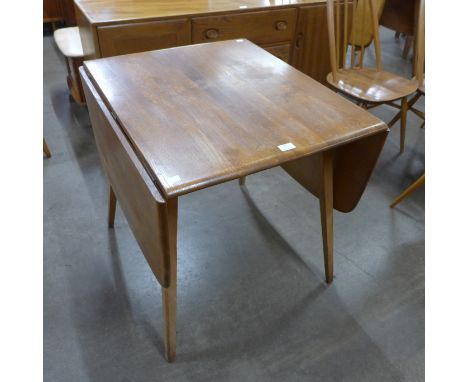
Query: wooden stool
{"points": [[69, 42]]}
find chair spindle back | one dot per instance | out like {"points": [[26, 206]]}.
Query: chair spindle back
{"points": [[358, 27], [420, 48]]}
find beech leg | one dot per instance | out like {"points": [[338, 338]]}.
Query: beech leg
{"points": [[326, 213]]}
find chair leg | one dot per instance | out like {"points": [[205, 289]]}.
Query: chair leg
{"points": [[112, 205], [411, 102], [326, 213], [413, 187], [404, 112], [242, 180], [408, 45], [395, 119], [45, 148]]}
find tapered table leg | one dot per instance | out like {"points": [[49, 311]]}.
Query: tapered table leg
{"points": [[112, 205], [169, 294], [326, 213]]}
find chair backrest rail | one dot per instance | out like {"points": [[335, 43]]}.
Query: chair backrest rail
{"points": [[364, 25]]}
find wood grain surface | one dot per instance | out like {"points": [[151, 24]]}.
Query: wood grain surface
{"points": [[107, 11], [146, 210], [194, 123]]}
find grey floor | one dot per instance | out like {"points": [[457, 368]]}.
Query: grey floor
{"points": [[252, 302]]}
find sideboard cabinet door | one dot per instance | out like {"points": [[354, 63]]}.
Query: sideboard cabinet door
{"points": [[120, 39]]}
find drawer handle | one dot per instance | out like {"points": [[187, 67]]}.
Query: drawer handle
{"points": [[211, 34], [281, 25]]}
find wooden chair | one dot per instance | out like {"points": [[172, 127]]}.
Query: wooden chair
{"points": [[370, 87], [420, 58], [361, 34], [419, 68]]}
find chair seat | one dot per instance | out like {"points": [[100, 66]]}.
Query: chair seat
{"points": [[371, 85], [69, 42]]}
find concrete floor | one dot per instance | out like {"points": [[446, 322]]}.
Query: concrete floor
{"points": [[252, 302]]}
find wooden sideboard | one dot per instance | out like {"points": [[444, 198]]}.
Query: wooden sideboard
{"points": [[58, 11], [293, 30]]}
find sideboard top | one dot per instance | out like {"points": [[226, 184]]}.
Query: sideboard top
{"points": [[109, 11]]}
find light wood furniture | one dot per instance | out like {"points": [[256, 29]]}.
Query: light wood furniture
{"points": [[167, 124], [420, 59], [294, 31], [45, 148], [370, 87], [401, 16], [55, 11], [419, 67], [69, 43]]}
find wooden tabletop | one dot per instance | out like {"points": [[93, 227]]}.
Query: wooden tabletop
{"points": [[107, 11], [203, 114]]}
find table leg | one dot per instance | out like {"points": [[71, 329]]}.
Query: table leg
{"points": [[169, 294], [326, 213], [112, 205]]}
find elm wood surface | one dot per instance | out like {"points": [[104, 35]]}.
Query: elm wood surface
{"points": [[140, 200], [52, 11], [110, 11], [365, 85], [132, 38], [259, 27], [294, 31], [212, 123], [59, 10], [211, 110]]}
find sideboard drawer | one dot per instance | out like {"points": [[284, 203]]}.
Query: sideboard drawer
{"points": [[139, 37], [258, 27]]}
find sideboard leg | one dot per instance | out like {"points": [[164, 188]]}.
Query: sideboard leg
{"points": [[242, 180], [169, 294], [326, 212], [112, 205]]}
